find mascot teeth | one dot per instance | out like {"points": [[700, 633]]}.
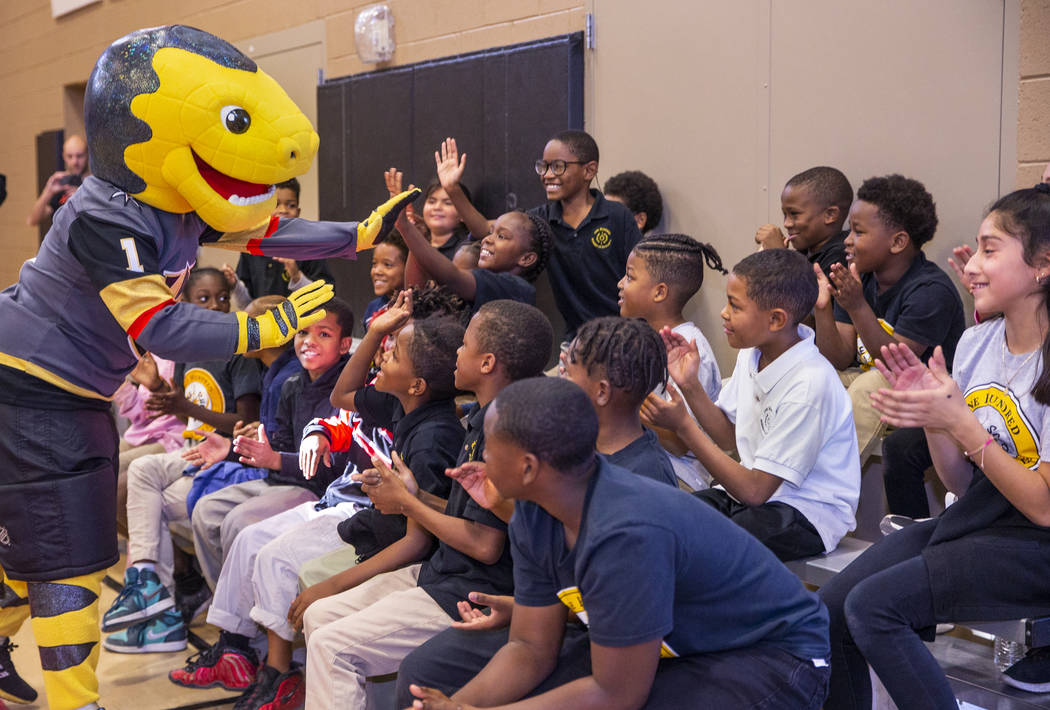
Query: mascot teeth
{"points": [[245, 201]]}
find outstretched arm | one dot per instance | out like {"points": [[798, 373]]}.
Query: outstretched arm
{"points": [[355, 372], [434, 263]]}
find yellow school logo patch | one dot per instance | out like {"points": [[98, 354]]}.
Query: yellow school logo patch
{"points": [[998, 410], [572, 598], [863, 356], [202, 389], [601, 238]]}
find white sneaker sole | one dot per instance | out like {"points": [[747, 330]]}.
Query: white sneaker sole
{"points": [[166, 647], [122, 622], [1030, 687]]}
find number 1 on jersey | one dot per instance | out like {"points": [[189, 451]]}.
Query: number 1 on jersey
{"points": [[128, 245]]}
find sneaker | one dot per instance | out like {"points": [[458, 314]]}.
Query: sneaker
{"points": [[1031, 673], [192, 605], [161, 634], [12, 687], [274, 690], [219, 665], [143, 597]]}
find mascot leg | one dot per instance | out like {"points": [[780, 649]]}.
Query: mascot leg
{"points": [[65, 618]]}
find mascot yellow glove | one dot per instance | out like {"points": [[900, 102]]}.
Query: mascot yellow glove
{"points": [[372, 231], [279, 324]]}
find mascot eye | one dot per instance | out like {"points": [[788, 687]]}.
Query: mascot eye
{"points": [[236, 119]]}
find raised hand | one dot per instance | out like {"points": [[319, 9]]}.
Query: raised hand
{"points": [[279, 324], [671, 415], [396, 314], [257, 452], [450, 164], [823, 289], [769, 236], [229, 274], [213, 449], [501, 608], [471, 475], [962, 253], [846, 286], [314, 449], [683, 357]]}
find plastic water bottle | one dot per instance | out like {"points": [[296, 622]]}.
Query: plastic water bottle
{"points": [[1008, 652]]}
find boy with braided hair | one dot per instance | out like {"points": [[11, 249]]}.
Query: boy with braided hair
{"points": [[663, 273]]}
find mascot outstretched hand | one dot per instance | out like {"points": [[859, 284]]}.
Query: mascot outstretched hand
{"points": [[187, 138]]}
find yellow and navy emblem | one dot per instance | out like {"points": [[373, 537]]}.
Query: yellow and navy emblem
{"points": [[202, 389], [602, 237], [998, 410], [863, 356], [573, 599]]}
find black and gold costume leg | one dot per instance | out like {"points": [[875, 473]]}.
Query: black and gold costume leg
{"points": [[58, 472]]}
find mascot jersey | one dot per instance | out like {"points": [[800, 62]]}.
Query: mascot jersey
{"points": [[187, 138]]}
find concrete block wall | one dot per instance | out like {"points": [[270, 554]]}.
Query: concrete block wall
{"points": [[40, 56], [1033, 114]]}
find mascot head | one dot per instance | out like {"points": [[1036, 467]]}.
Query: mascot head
{"points": [[185, 122]]}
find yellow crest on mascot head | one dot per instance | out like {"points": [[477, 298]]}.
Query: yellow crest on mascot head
{"points": [[183, 121]]}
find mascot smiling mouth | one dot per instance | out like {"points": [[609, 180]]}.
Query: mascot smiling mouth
{"points": [[237, 192]]}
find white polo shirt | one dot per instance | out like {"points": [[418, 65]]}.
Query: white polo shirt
{"points": [[794, 420]]}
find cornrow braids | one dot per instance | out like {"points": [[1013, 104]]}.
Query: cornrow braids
{"points": [[678, 260], [542, 243], [628, 351]]}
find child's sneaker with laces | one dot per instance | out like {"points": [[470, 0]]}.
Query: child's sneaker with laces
{"points": [[142, 597], [12, 687], [222, 665], [161, 634], [274, 690]]}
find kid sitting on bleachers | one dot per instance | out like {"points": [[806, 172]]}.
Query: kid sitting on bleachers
{"points": [[663, 273], [798, 480]]}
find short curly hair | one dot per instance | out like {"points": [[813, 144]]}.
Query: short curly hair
{"points": [[639, 193], [519, 335], [629, 353], [580, 143], [828, 185], [439, 300], [433, 347], [780, 278], [903, 204]]}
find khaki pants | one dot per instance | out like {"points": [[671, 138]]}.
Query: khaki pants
{"points": [[365, 632], [860, 384]]}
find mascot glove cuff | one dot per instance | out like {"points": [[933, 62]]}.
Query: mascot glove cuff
{"points": [[278, 325], [373, 230]]}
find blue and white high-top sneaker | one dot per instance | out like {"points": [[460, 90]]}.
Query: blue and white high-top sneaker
{"points": [[143, 597], [160, 634]]}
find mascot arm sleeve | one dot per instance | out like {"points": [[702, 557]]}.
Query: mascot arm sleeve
{"points": [[122, 265]]}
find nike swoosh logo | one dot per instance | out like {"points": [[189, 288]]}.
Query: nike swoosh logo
{"points": [[153, 636]]}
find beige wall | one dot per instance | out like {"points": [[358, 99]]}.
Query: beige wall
{"points": [[1033, 110], [40, 56]]}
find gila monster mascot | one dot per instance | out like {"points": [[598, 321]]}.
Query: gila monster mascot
{"points": [[187, 137]]}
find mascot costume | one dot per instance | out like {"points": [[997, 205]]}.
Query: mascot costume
{"points": [[187, 137]]}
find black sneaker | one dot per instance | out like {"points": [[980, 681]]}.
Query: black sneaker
{"points": [[191, 605], [12, 687], [1031, 673]]}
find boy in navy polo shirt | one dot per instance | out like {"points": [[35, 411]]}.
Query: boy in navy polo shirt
{"points": [[889, 294], [796, 485], [815, 204], [592, 235], [672, 618]]}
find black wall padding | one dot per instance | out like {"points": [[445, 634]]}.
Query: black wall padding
{"points": [[501, 105]]}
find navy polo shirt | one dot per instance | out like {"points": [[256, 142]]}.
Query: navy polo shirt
{"points": [[492, 286], [587, 262]]}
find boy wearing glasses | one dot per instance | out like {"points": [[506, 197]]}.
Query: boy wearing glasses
{"points": [[592, 235]]}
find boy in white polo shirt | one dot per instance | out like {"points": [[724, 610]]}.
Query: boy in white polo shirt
{"points": [[784, 411]]}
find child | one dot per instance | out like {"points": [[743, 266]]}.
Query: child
{"points": [[617, 362], [512, 256], [259, 578], [987, 425], [224, 393], [440, 223], [388, 273], [321, 348], [672, 617], [640, 194], [467, 256], [815, 204], [798, 480], [662, 274], [367, 630], [592, 235], [889, 294], [259, 275]]}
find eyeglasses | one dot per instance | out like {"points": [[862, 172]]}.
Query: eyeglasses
{"points": [[556, 166]]}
